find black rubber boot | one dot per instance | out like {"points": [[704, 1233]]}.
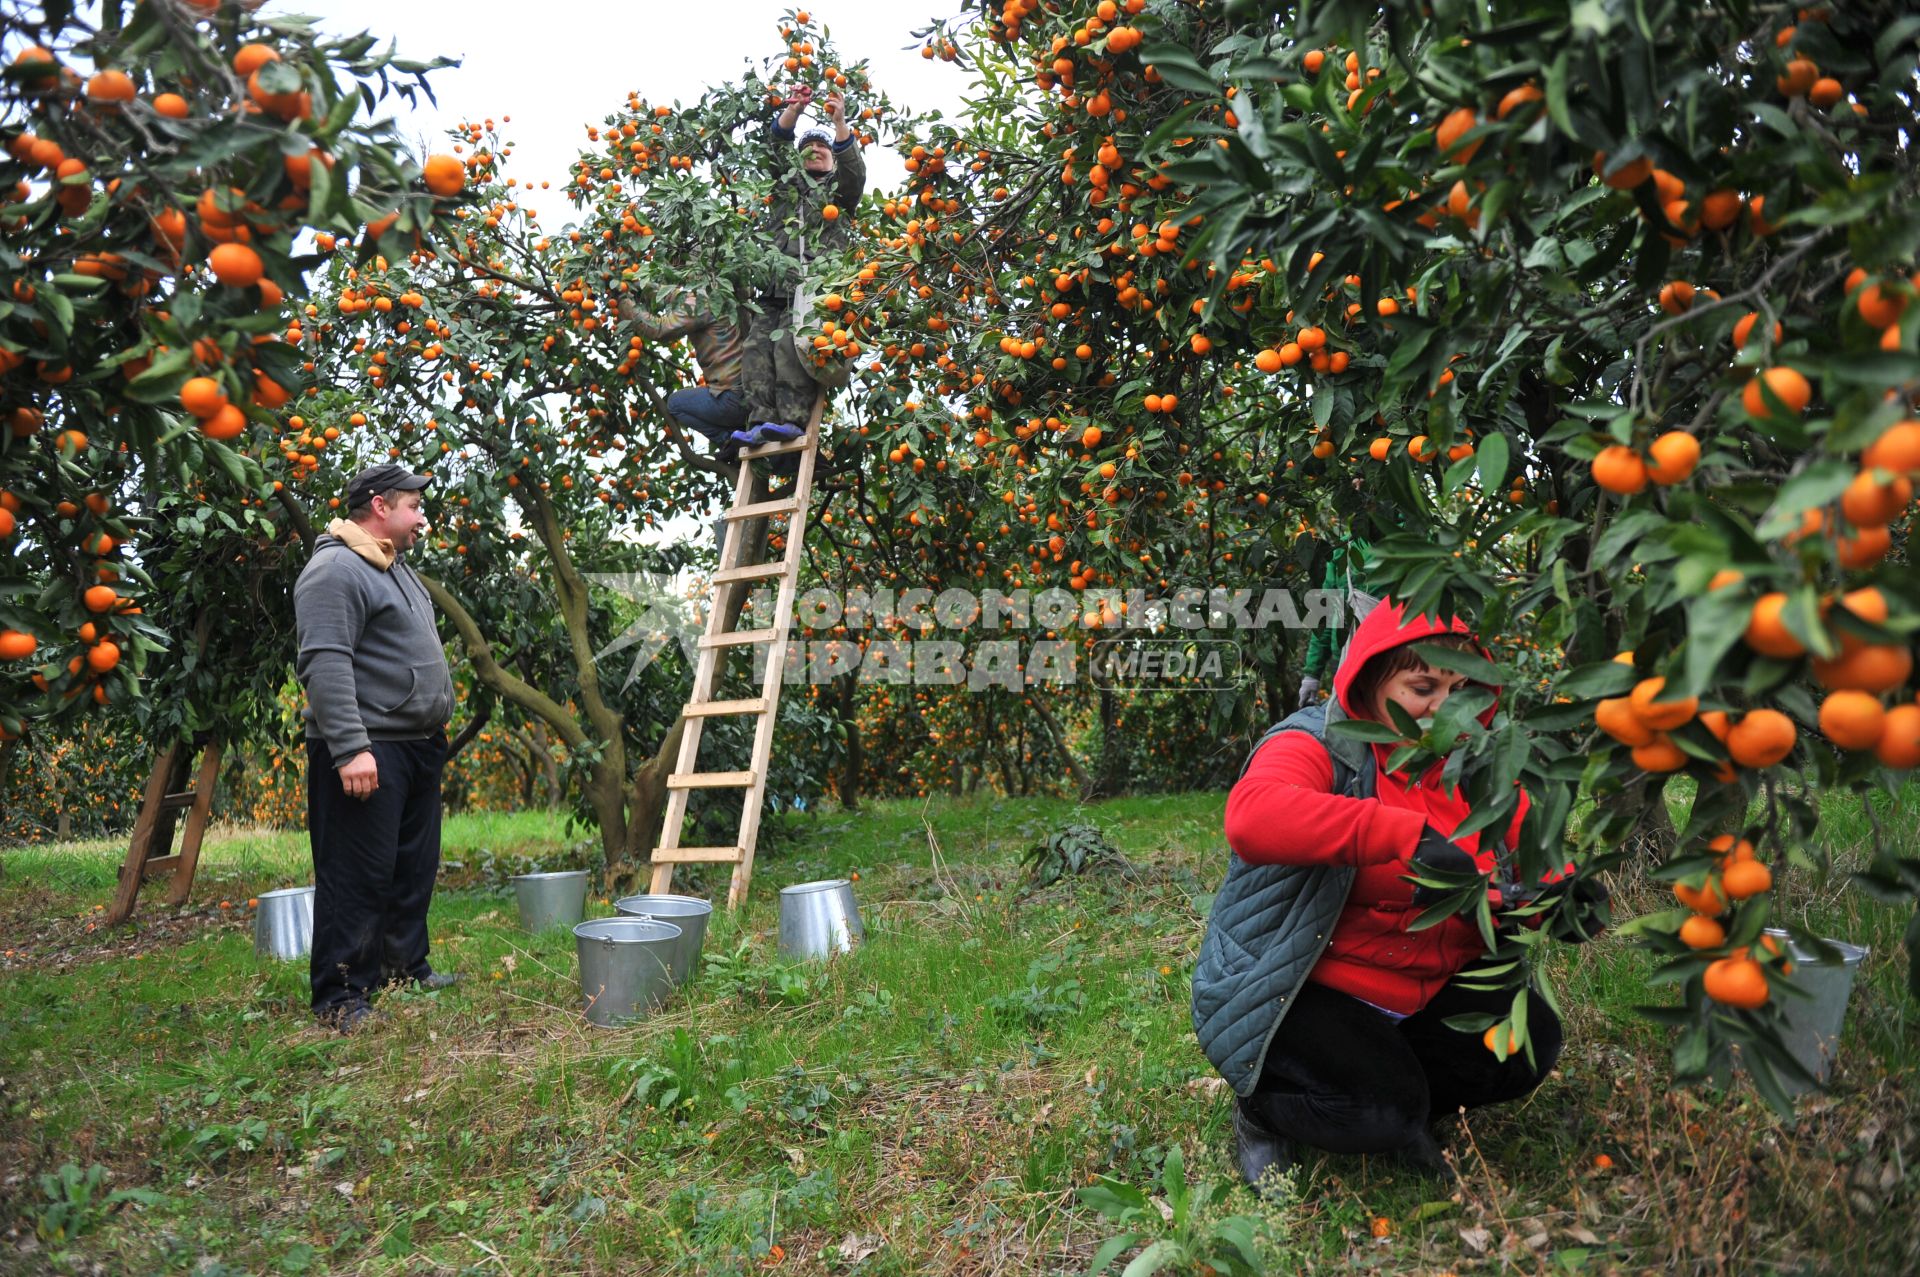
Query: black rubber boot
{"points": [[1256, 1150]]}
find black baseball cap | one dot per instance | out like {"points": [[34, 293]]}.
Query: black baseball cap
{"points": [[384, 477]]}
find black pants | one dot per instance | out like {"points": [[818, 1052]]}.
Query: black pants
{"points": [[374, 862], [1343, 1077]]}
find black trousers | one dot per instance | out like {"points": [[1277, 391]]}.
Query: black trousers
{"points": [[374, 862], [1344, 1077]]}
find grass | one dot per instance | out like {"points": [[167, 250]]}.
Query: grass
{"points": [[930, 1103]]}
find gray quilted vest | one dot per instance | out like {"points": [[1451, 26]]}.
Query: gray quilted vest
{"points": [[1269, 925]]}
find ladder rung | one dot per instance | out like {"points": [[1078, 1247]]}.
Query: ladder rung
{"points": [[715, 709], [710, 780], [160, 865], [764, 509], [176, 802], [737, 638], [775, 449], [698, 855], [751, 572]]}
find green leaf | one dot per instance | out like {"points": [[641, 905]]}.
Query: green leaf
{"points": [[1173, 1178], [1365, 730], [1595, 680], [1898, 33], [320, 192], [1110, 1250], [1622, 534], [1323, 157], [1690, 1053], [1113, 1198], [1461, 661], [230, 462], [1162, 1254], [160, 382], [1715, 622], [1178, 68], [1172, 127], [280, 77], [1492, 456], [57, 307], [1557, 76], [1817, 485]]}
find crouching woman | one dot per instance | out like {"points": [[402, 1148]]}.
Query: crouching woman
{"points": [[1325, 1014]]}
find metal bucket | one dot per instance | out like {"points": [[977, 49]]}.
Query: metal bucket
{"points": [[1813, 1024], [283, 924], [626, 967], [689, 913], [819, 919], [551, 899]]}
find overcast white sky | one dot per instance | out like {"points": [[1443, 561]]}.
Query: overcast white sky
{"points": [[556, 66]]}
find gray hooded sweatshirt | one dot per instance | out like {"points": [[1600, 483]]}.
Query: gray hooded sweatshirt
{"points": [[370, 657]]}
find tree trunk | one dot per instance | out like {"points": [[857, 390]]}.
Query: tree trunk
{"points": [[627, 807], [850, 766], [1022, 758], [523, 774], [475, 725], [1047, 720], [1106, 782], [553, 787], [605, 792], [7, 749]]}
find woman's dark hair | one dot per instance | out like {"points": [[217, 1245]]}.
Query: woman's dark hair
{"points": [[1384, 665]]}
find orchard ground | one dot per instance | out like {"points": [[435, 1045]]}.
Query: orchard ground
{"points": [[929, 1104]]}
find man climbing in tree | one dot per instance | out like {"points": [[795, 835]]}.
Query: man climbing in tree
{"points": [[813, 204], [717, 406]]}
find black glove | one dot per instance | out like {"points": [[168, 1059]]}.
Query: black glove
{"points": [[1442, 856], [1584, 910]]}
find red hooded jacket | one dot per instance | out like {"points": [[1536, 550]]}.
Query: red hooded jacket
{"points": [[1283, 811]]}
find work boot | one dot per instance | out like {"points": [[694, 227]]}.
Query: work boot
{"points": [[1257, 1151], [434, 981], [349, 1018], [1424, 1155]]}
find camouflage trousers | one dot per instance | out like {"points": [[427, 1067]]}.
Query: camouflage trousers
{"points": [[774, 380]]}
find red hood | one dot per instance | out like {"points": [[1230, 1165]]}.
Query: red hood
{"points": [[1387, 627]]}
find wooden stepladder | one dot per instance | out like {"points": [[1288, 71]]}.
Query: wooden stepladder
{"points": [[151, 854], [714, 647]]}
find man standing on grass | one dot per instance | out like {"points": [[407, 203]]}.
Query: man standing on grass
{"points": [[378, 700]]}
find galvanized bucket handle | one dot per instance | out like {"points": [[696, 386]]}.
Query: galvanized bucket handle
{"points": [[608, 942]]}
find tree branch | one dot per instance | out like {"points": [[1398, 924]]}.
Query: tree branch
{"points": [[572, 592], [297, 515], [490, 671]]}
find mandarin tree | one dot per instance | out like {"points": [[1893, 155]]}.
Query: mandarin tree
{"points": [[502, 359], [1603, 309], [151, 270]]}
